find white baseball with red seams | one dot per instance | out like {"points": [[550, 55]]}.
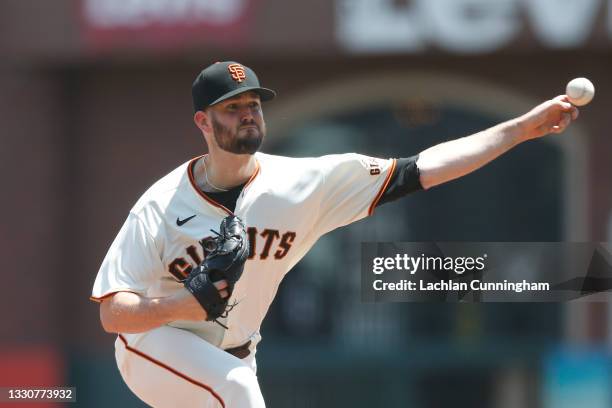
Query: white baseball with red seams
{"points": [[580, 91]]}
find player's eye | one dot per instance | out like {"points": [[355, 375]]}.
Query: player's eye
{"points": [[254, 105], [231, 107]]}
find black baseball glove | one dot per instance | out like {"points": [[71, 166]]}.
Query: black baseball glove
{"points": [[225, 261]]}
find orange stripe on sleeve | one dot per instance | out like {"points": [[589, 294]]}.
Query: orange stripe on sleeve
{"points": [[383, 188], [107, 295]]}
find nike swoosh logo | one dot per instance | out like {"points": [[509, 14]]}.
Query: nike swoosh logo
{"points": [[180, 222]]}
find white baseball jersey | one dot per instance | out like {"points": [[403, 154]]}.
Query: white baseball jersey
{"points": [[286, 205]]}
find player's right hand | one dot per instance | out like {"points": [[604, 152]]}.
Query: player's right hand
{"points": [[552, 116]]}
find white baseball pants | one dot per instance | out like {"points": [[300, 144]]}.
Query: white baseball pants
{"points": [[169, 367]]}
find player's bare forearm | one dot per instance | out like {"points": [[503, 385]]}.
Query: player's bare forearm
{"points": [[127, 312], [450, 160]]}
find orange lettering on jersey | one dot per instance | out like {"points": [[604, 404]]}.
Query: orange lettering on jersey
{"points": [[180, 268], [252, 231], [237, 71], [193, 253], [284, 245], [269, 235]]}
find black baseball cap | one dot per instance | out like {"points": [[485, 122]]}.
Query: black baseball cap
{"points": [[223, 80]]}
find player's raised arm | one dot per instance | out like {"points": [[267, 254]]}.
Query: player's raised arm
{"points": [[456, 158]]}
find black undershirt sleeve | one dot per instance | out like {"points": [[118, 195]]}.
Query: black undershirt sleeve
{"points": [[405, 180]]}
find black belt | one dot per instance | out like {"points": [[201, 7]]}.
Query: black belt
{"points": [[240, 351]]}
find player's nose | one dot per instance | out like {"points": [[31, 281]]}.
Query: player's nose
{"points": [[246, 116]]}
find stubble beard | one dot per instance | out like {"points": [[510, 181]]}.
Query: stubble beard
{"points": [[248, 142]]}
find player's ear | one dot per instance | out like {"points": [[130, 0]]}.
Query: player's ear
{"points": [[202, 121]]}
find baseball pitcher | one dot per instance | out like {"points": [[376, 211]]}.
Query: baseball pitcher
{"points": [[191, 274]]}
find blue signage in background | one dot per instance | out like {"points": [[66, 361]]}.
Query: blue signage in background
{"points": [[578, 378]]}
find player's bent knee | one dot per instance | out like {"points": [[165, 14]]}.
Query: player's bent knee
{"points": [[242, 379], [242, 388]]}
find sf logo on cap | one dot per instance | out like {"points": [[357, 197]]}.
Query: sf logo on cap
{"points": [[237, 72]]}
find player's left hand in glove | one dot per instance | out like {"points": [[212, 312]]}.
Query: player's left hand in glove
{"points": [[224, 262]]}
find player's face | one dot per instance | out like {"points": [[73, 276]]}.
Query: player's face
{"points": [[238, 124]]}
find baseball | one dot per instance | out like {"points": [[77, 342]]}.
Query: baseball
{"points": [[580, 91]]}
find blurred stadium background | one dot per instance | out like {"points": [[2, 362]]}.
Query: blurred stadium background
{"points": [[95, 106]]}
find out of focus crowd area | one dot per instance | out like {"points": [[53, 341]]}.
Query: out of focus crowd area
{"points": [[95, 106]]}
